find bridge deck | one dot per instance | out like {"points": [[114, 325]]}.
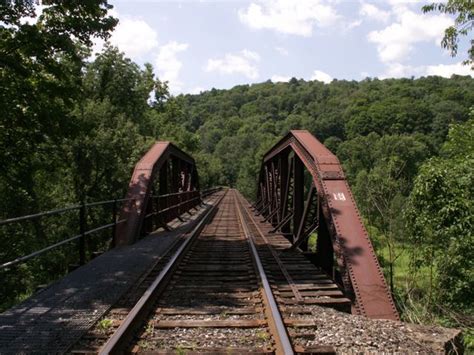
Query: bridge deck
{"points": [[54, 318]]}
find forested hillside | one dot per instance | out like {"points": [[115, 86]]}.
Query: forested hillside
{"points": [[72, 129], [407, 149], [364, 123]]}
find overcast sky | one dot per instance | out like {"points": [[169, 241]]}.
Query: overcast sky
{"points": [[198, 45]]}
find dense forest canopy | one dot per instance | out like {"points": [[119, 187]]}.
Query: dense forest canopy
{"points": [[72, 129]]}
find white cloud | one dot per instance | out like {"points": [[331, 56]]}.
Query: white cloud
{"points": [[137, 39], [133, 36], [168, 65], [372, 12], [243, 62], [38, 12], [289, 16], [282, 51], [97, 47], [396, 41], [353, 24], [405, 2], [196, 90], [280, 78], [398, 70], [321, 76], [251, 55], [446, 70]]}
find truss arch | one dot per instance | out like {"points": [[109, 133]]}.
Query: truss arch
{"points": [[322, 203]]}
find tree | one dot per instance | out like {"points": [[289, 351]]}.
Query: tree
{"points": [[383, 181], [116, 78], [40, 78], [463, 24], [41, 62], [440, 218]]}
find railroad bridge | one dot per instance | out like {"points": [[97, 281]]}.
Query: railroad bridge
{"points": [[206, 271]]}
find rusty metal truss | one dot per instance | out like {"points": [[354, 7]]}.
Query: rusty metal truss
{"points": [[303, 192], [163, 186]]}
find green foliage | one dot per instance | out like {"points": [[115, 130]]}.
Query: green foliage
{"points": [[116, 78], [463, 24], [382, 131], [441, 218], [400, 122], [39, 80], [105, 324], [72, 130]]}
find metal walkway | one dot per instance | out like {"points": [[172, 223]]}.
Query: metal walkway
{"points": [[54, 318]]}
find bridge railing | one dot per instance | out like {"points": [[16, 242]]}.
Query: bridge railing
{"points": [[207, 192], [82, 226], [165, 208], [50, 244]]}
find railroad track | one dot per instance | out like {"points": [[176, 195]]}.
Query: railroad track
{"points": [[300, 289], [229, 287]]}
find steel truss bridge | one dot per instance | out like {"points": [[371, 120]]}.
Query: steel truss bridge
{"points": [[206, 270]]}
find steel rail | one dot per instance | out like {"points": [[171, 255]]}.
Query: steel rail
{"points": [[276, 318], [167, 209], [107, 202], [25, 258], [174, 194], [174, 206], [275, 255], [41, 214], [210, 191], [60, 210], [115, 341], [22, 259]]}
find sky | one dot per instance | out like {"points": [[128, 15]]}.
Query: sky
{"points": [[200, 45]]}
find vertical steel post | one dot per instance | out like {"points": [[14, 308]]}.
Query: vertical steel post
{"points": [[82, 231], [298, 194], [114, 221], [304, 218], [275, 195], [186, 177], [163, 179], [179, 175], [324, 248], [163, 190], [268, 192], [284, 178], [286, 228]]}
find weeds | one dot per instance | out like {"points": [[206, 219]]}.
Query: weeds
{"points": [[262, 336], [150, 328], [180, 350], [105, 324]]}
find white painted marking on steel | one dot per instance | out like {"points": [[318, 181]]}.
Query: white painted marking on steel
{"points": [[339, 196]]}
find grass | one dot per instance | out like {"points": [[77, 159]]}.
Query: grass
{"points": [[411, 293], [313, 238], [105, 324], [143, 344], [150, 328], [403, 277], [180, 350], [262, 336]]}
